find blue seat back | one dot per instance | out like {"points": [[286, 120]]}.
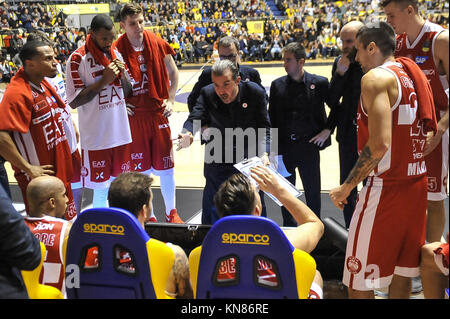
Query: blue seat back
{"points": [[248, 240], [110, 230]]}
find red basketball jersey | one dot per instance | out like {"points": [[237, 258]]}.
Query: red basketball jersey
{"points": [[41, 138], [50, 231], [422, 52], [404, 159]]}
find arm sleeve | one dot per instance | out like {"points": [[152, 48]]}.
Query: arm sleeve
{"points": [[198, 113], [272, 106], [74, 83], [263, 121], [203, 80], [337, 85]]}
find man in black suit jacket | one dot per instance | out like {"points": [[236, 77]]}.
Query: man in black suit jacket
{"points": [[296, 109], [235, 113], [19, 250], [346, 84], [228, 48]]}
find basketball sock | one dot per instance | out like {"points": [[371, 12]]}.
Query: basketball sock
{"points": [[167, 182], [152, 214], [77, 198], [100, 198]]}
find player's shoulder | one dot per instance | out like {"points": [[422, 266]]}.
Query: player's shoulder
{"points": [[433, 27], [377, 79], [78, 55], [442, 40]]}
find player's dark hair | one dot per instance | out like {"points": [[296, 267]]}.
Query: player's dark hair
{"points": [[402, 3], [130, 191], [381, 34], [235, 196], [130, 9], [29, 50], [101, 21], [39, 35]]}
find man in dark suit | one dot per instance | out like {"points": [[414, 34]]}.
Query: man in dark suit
{"points": [[346, 84], [19, 250], [296, 109], [228, 48], [235, 113]]}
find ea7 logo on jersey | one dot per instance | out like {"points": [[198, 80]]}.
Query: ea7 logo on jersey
{"points": [[137, 156], [98, 164], [421, 59]]}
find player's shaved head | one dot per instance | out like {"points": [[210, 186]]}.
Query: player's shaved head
{"points": [[352, 26], [40, 190]]}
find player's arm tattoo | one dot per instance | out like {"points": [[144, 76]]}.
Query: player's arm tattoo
{"points": [[364, 165], [181, 275]]}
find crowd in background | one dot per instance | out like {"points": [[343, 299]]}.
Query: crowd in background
{"points": [[193, 27]]}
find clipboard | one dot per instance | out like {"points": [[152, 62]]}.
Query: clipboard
{"points": [[245, 166]]}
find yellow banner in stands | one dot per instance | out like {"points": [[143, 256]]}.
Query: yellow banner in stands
{"points": [[83, 8], [255, 26]]}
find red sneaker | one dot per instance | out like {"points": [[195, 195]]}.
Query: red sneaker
{"points": [[173, 217], [152, 220]]}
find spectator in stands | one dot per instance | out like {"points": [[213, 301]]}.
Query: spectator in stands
{"points": [[15, 44], [132, 191], [202, 49], [176, 47], [313, 50], [254, 46], [26, 19], [275, 50], [4, 25], [330, 46], [188, 50], [7, 70], [81, 41], [243, 47], [13, 19]]}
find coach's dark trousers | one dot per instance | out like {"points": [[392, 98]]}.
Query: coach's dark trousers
{"points": [[215, 175], [304, 157]]}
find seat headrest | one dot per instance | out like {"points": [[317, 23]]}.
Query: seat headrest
{"points": [[243, 230], [108, 221]]}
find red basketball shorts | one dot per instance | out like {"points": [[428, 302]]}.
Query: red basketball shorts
{"points": [[100, 165], [386, 233], [151, 149]]}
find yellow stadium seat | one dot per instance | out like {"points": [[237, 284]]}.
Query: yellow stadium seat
{"points": [[34, 288]]}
